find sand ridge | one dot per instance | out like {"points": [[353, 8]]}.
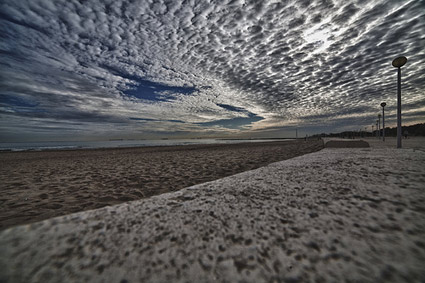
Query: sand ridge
{"points": [[41, 185]]}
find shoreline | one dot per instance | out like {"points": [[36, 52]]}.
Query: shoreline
{"points": [[79, 145], [38, 185], [149, 148]]}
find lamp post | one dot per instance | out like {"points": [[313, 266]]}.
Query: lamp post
{"points": [[379, 126], [377, 129], [398, 63], [383, 104]]}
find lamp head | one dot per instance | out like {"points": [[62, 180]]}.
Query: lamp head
{"points": [[383, 104], [399, 61]]}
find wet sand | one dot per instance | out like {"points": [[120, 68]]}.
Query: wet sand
{"points": [[40, 185]]}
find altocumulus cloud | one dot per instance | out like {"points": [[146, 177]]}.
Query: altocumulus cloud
{"points": [[205, 67]]}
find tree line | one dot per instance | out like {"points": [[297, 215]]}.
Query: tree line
{"points": [[412, 130]]}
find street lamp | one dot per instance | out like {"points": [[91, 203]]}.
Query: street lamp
{"points": [[379, 126], [383, 104], [377, 129], [398, 63]]}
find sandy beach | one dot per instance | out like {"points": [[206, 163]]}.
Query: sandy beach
{"points": [[335, 215], [40, 185]]}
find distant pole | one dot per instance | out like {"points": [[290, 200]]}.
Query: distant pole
{"points": [[399, 108], [376, 128], [383, 104], [398, 63], [372, 130], [379, 126]]}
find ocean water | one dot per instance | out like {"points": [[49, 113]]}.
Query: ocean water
{"points": [[60, 145]]}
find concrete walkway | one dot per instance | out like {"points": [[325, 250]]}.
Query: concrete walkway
{"points": [[336, 215]]}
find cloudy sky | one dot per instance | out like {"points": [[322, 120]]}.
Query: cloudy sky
{"points": [[230, 68]]}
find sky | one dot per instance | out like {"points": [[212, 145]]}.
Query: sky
{"points": [[141, 69]]}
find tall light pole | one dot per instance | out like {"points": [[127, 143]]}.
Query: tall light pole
{"points": [[383, 104], [377, 129], [379, 126], [398, 63]]}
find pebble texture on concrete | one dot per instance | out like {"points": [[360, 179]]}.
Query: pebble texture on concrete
{"points": [[354, 215]]}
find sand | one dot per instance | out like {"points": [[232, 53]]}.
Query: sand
{"points": [[413, 142], [346, 144], [40, 185], [336, 215], [417, 143]]}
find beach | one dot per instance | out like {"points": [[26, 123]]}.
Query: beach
{"points": [[335, 215], [44, 184]]}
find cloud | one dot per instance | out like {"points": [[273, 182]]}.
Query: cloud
{"points": [[253, 64]]}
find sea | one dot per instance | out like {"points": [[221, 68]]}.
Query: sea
{"points": [[72, 145]]}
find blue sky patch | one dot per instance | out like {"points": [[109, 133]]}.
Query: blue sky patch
{"points": [[147, 119], [149, 90], [12, 101], [231, 108], [153, 91], [140, 119], [235, 123]]}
